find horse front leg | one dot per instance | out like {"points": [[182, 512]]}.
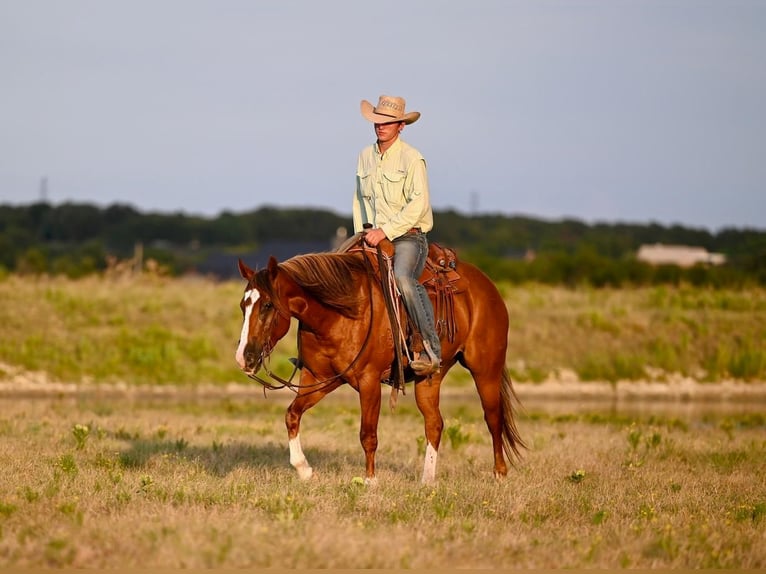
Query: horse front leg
{"points": [[427, 399], [369, 400], [307, 397]]}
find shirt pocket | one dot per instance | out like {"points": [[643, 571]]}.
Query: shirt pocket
{"points": [[366, 186], [393, 185]]}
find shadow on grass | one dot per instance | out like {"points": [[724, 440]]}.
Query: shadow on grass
{"points": [[221, 459]]}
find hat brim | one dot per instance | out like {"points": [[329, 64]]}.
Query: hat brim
{"points": [[368, 112]]}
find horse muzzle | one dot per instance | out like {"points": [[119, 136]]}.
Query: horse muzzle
{"points": [[249, 359]]}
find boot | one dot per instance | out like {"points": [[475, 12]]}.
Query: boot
{"points": [[427, 362]]}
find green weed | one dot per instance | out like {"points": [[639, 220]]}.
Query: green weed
{"points": [[750, 512], [7, 509], [80, 434], [599, 517], [59, 552], [145, 483], [283, 507], [29, 494], [455, 434], [577, 476], [70, 510], [68, 464]]}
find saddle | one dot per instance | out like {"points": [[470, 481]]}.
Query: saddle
{"points": [[442, 281]]}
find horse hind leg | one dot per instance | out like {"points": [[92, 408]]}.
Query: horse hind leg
{"points": [[427, 399], [490, 392]]}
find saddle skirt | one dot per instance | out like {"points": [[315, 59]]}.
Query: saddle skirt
{"points": [[442, 281]]}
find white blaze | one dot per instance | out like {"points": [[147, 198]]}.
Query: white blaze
{"points": [[253, 295]]}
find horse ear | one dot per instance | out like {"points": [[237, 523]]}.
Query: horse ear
{"points": [[273, 267], [245, 271]]}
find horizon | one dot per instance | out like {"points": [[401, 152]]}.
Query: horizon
{"points": [[478, 214]]}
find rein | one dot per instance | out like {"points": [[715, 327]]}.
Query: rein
{"points": [[288, 383]]}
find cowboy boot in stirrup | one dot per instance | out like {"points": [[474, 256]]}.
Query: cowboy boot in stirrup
{"points": [[427, 362]]}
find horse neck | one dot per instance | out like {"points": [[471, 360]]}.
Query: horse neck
{"points": [[316, 316], [325, 321], [303, 307]]}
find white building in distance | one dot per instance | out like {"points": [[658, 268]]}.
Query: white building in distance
{"points": [[681, 255]]}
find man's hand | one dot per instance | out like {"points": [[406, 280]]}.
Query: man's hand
{"points": [[374, 236]]}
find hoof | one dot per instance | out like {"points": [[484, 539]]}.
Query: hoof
{"points": [[305, 472]]}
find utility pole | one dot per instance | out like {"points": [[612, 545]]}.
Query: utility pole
{"points": [[474, 202], [44, 189]]}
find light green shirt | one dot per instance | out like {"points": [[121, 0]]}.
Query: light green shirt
{"points": [[392, 190]]}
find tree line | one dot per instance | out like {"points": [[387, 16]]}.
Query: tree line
{"points": [[76, 239]]}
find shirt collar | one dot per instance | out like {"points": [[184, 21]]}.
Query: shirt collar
{"points": [[394, 146]]}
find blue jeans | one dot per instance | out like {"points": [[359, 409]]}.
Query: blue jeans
{"points": [[410, 254]]}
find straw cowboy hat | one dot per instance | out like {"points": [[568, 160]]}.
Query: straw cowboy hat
{"points": [[389, 109]]}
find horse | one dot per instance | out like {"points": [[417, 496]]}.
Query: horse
{"points": [[346, 337]]}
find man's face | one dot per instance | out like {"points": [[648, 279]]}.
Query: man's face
{"points": [[388, 132]]}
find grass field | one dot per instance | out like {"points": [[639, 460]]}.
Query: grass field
{"points": [[121, 480], [159, 331], [93, 483]]}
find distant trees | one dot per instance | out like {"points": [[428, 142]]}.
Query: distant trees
{"points": [[587, 267], [76, 239]]}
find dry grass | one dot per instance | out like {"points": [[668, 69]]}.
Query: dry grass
{"points": [[208, 484]]}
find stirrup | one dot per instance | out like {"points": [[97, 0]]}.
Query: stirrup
{"points": [[426, 367]]}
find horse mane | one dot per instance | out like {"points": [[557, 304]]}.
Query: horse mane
{"points": [[330, 278]]}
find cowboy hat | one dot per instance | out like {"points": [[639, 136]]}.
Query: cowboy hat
{"points": [[389, 109]]}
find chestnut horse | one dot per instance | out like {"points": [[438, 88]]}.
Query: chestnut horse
{"points": [[345, 337]]}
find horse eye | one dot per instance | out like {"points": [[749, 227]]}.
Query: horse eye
{"points": [[268, 305]]}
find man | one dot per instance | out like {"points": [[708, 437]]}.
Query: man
{"points": [[392, 196]]}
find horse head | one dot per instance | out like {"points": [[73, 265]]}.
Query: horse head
{"points": [[265, 318]]}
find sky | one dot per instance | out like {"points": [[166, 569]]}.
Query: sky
{"points": [[605, 111]]}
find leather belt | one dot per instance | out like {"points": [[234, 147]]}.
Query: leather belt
{"points": [[413, 230]]}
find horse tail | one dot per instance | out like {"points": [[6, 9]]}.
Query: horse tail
{"points": [[512, 441]]}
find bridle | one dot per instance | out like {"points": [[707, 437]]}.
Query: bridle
{"points": [[317, 385]]}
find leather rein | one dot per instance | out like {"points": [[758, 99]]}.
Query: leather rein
{"points": [[317, 385]]}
